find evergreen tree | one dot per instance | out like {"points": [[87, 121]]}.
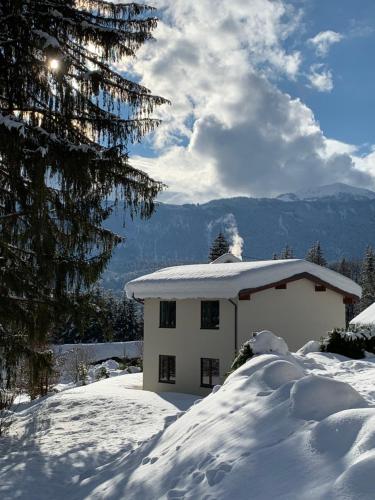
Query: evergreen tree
{"points": [[131, 320], [344, 267], [315, 255], [287, 253], [219, 247], [101, 317], [66, 119], [351, 269], [348, 267], [120, 326], [368, 279]]}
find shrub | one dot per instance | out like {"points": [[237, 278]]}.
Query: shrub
{"points": [[101, 372], [243, 355], [82, 373], [124, 363], [351, 343]]}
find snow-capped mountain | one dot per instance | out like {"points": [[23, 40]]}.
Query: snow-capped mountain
{"points": [[336, 190], [182, 234]]}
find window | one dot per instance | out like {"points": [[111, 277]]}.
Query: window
{"points": [[281, 287], [167, 314], [210, 314], [167, 369], [210, 372], [320, 288]]}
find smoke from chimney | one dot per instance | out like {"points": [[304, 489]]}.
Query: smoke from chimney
{"points": [[231, 230], [236, 247]]}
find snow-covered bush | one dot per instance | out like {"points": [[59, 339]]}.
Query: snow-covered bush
{"points": [[266, 342], [351, 343], [263, 342], [310, 346], [133, 369], [101, 372]]}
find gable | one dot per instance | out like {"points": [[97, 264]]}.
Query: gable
{"points": [[320, 285]]}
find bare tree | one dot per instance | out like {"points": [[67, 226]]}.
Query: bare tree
{"points": [[7, 399], [75, 363]]}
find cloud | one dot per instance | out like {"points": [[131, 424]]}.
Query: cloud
{"points": [[366, 163], [337, 147], [320, 78], [361, 29], [230, 130], [323, 41]]}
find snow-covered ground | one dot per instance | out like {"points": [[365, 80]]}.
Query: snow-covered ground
{"points": [[57, 444], [286, 426]]}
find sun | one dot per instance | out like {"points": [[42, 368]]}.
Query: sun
{"points": [[54, 64]]}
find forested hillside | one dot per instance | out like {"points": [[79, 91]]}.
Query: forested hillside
{"points": [[344, 225]]}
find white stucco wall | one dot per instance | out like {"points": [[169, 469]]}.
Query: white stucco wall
{"points": [[188, 343], [298, 314]]}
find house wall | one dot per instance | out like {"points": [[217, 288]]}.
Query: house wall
{"points": [[298, 314], [188, 343]]}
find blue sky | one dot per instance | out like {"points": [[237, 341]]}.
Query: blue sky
{"points": [[268, 96], [346, 113]]}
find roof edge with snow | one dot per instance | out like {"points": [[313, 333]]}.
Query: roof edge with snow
{"points": [[228, 280], [366, 317]]}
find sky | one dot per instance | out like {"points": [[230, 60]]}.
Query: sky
{"points": [[268, 96]]}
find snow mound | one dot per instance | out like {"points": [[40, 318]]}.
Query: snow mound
{"points": [[357, 482], [111, 364], [134, 369], [226, 445], [249, 438], [310, 346], [349, 437], [281, 372], [335, 435], [267, 342], [315, 397]]}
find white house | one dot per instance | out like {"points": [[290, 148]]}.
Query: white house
{"points": [[366, 317], [197, 316]]}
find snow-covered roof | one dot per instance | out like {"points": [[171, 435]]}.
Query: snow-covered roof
{"points": [[227, 280], [366, 317]]}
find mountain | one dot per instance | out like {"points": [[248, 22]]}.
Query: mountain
{"points": [[182, 234], [336, 190]]}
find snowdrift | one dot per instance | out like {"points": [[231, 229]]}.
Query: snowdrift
{"points": [[291, 426], [273, 430]]}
